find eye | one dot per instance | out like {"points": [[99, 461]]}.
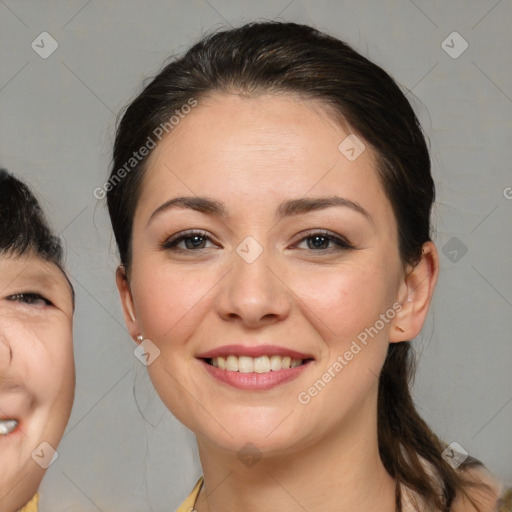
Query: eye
{"points": [[321, 241], [192, 240], [30, 298]]}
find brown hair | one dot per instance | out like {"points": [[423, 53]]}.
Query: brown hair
{"points": [[274, 57]]}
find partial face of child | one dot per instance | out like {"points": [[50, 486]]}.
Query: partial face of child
{"points": [[37, 374]]}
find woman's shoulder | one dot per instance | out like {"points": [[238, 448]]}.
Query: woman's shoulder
{"points": [[482, 489], [487, 492]]}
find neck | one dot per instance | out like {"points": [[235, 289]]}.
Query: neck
{"points": [[341, 472]]}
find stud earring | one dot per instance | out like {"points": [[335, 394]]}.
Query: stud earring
{"points": [[140, 338]]}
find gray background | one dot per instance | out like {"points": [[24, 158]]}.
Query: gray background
{"points": [[56, 131]]}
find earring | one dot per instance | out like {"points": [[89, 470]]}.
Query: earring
{"points": [[140, 338]]}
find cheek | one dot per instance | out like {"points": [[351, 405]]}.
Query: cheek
{"points": [[166, 301], [346, 300], [51, 365]]}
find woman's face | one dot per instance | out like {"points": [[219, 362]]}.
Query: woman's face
{"points": [[37, 376], [278, 272]]}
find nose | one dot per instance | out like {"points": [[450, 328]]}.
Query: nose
{"points": [[253, 293]]}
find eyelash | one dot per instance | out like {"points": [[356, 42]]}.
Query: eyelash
{"points": [[29, 298], [172, 242]]}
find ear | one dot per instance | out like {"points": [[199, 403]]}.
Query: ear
{"points": [[415, 295], [125, 294]]}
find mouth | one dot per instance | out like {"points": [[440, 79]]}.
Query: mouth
{"points": [[254, 367], [7, 426], [15, 408]]}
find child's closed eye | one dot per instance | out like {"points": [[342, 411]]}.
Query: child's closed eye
{"points": [[30, 298]]}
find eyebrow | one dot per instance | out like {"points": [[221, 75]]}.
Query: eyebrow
{"points": [[287, 208], [46, 281]]}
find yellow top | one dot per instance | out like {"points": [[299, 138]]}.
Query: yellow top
{"points": [[505, 503], [32, 505], [189, 504]]}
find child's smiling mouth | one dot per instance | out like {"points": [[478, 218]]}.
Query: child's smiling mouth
{"points": [[7, 426]]}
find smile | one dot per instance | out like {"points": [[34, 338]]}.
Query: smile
{"points": [[254, 367], [261, 364]]}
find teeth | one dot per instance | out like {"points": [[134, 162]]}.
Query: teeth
{"points": [[262, 364], [245, 364], [7, 426], [275, 363], [232, 363]]}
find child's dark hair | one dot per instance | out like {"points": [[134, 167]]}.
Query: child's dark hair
{"points": [[23, 227]]}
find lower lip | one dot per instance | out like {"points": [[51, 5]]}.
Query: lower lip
{"points": [[255, 381]]}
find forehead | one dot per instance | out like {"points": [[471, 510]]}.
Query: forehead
{"points": [[266, 147], [275, 124]]}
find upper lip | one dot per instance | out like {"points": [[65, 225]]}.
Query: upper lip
{"points": [[5, 414], [253, 351], [14, 401]]}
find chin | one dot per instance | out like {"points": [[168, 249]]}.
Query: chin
{"points": [[262, 438]]}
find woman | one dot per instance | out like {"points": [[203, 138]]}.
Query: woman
{"points": [[37, 376], [270, 196]]}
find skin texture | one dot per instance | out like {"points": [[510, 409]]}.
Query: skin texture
{"points": [[252, 153], [37, 376]]}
